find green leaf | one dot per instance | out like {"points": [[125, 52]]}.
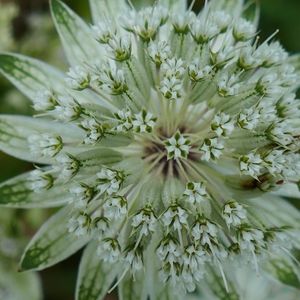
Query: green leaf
{"points": [[30, 75], [95, 277], [14, 131], [51, 244], [284, 271], [16, 193], [103, 9], [76, 37]]}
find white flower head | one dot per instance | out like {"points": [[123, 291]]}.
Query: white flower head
{"points": [[205, 232], [203, 31], [165, 116], [249, 118]]}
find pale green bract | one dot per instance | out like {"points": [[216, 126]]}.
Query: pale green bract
{"points": [[172, 141]]}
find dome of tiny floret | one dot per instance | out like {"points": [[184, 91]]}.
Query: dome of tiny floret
{"points": [[173, 135]]}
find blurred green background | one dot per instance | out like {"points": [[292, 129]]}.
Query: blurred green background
{"points": [[32, 33]]}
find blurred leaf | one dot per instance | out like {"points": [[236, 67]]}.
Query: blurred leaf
{"points": [[284, 271], [14, 131], [76, 37], [16, 286], [95, 277], [51, 244], [16, 193], [30, 75]]}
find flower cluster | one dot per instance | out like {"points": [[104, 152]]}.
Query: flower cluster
{"points": [[164, 144]]}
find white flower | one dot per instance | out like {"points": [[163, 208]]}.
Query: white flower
{"points": [[173, 68], [67, 109], [250, 238], [227, 85], [175, 216], [181, 22], [40, 180], [222, 124], [78, 78], [109, 250], [169, 250], [234, 213], [203, 31], [251, 164], [67, 166], [81, 195], [121, 47], [94, 130], [111, 79], [124, 119], [196, 192], [249, 118], [104, 31], [44, 100], [80, 224], [177, 146], [45, 144], [143, 121], [109, 181], [133, 259], [159, 52], [145, 220], [205, 232], [171, 88], [275, 161], [243, 30], [115, 208], [212, 149], [197, 72]]}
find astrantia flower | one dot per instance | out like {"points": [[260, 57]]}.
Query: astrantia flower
{"points": [[170, 147]]}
